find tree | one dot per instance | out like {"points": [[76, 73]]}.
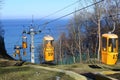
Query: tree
{"points": [[85, 29], [112, 16], [98, 10]]}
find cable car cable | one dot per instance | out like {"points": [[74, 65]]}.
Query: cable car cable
{"points": [[60, 9], [18, 39], [71, 13]]}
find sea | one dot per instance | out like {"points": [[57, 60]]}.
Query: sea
{"points": [[14, 28]]}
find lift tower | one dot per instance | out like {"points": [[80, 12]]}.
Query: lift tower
{"points": [[32, 32]]}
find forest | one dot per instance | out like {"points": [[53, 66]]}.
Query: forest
{"points": [[83, 40]]}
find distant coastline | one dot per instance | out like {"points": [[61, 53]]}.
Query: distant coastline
{"points": [[13, 32]]}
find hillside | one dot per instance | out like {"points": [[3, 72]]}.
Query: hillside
{"points": [[3, 53]]}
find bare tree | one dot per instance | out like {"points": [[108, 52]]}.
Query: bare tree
{"points": [[61, 48], [98, 13], [85, 28]]}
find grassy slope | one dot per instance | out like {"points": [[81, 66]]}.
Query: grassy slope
{"points": [[27, 73], [111, 71], [84, 68]]}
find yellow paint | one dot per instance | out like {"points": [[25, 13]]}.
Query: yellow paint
{"points": [[17, 51], [48, 48], [49, 53], [110, 35], [109, 56], [24, 45]]}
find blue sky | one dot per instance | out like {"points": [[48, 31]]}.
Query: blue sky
{"points": [[39, 8]]}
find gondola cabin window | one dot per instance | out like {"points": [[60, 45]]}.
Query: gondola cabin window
{"points": [[48, 43], [112, 45], [104, 44]]}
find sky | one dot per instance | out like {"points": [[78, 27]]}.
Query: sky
{"points": [[12, 9]]}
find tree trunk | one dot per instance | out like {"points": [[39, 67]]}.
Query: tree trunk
{"points": [[60, 53], [74, 59], [79, 45], [99, 33], [88, 55]]}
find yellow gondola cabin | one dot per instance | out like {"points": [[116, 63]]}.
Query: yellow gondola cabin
{"points": [[48, 48], [24, 42], [109, 50], [17, 50]]}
